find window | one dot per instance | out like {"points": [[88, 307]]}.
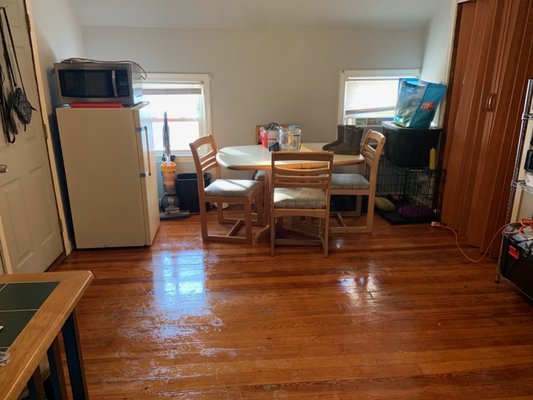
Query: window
{"points": [[369, 97], [185, 99]]}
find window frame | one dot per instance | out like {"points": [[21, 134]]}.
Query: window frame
{"points": [[369, 73], [205, 79]]}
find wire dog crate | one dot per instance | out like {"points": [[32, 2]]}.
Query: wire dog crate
{"points": [[412, 193]]}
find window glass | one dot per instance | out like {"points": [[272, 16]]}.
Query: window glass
{"points": [[185, 105], [369, 97]]}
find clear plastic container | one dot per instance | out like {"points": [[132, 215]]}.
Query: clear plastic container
{"points": [[290, 139], [272, 137]]}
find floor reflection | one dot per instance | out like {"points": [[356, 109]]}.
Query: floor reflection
{"points": [[178, 305], [179, 284], [357, 287]]}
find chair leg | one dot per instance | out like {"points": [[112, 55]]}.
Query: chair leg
{"points": [[272, 232], [368, 218], [248, 221], [266, 196], [358, 205], [203, 221], [370, 213], [326, 236], [259, 207], [220, 212]]}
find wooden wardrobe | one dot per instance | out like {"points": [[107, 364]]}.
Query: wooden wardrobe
{"points": [[491, 64]]}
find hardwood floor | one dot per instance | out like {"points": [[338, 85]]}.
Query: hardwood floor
{"points": [[398, 314]]}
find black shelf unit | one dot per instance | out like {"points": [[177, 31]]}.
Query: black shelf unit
{"points": [[516, 255]]}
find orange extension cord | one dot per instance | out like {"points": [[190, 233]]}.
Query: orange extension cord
{"points": [[524, 224]]}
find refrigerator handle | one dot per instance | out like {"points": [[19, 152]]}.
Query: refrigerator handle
{"points": [[148, 150], [143, 151]]}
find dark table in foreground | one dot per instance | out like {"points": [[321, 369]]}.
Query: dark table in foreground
{"points": [[34, 308]]}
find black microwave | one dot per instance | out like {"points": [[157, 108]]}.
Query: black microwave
{"points": [[98, 82]]}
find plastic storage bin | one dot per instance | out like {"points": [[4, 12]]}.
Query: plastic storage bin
{"points": [[409, 147], [187, 189], [516, 260]]}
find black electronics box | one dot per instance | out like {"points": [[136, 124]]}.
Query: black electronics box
{"points": [[516, 260], [409, 147]]}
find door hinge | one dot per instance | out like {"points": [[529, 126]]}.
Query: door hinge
{"points": [[138, 129], [60, 221]]}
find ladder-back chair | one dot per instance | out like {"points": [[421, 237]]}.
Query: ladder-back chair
{"points": [[358, 185], [232, 191], [300, 186]]}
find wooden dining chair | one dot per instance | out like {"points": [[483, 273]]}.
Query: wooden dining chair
{"points": [[358, 185], [300, 186], [232, 191]]}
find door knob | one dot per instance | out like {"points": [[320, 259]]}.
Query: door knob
{"points": [[3, 168]]}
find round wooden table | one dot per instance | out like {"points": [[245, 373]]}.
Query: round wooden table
{"points": [[257, 157]]}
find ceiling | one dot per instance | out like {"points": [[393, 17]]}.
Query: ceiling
{"points": [[245, 14]]}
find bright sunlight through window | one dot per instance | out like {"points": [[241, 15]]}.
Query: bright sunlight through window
{"points": [[185, 100], [370, 94]]}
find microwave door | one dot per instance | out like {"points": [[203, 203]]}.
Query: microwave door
{"points": [[97, 83], [88, 84]]}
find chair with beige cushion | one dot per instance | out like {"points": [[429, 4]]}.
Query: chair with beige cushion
{"points": [[300, 186], [356, 184], [246, 192]]}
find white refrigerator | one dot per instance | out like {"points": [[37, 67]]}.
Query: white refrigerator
{"points": [[110, 173]]}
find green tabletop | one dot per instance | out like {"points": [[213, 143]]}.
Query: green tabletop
{"points": [[18, 303]]}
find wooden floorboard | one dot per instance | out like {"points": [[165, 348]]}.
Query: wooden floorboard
{"points": [[396, 314]]}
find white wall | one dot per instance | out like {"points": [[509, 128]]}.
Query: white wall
{"points": [[261, 76], [58, 35], [437, 53], [438, 50]]}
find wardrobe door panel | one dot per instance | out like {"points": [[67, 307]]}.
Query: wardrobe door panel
{"points": [[474, 48], [492, 60], [502, 124]]}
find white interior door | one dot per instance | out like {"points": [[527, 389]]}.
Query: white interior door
{"points": [[29, 228]]}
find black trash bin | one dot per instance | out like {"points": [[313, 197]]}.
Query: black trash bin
{"points": [[187, 190]]}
